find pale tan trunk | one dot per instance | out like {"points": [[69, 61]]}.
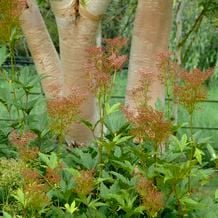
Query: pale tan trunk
{"points": [[42, 50], [150, 37]]}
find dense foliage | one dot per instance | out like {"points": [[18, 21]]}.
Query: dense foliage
{"points": [[142, 169]]}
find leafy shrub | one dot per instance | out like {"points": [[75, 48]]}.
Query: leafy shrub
{"points": [[141, 170]]}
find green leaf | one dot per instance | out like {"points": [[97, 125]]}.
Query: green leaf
{"points": [[182, 144], [95, 203], [212, 152], [118, 139], [5, 96], [117, 152], [190, 203], [198, 155], [6, 215], [73, 171], [118, 197], [126, 165], [87, 160], [50, 160], [20, 197], [122, 178], [71, 208], [139, 210], [104, 190], [112, 109], [115, 187]]}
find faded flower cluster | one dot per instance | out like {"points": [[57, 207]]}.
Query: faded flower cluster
{"points": [[85, 182], [64, 110], [147, 123], [191, 90], [152, 199], [103, 63]]}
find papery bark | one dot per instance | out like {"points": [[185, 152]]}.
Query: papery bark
{"points": [[42, 49], [150, 37]]}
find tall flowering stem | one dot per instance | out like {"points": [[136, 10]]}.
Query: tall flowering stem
{"points": [[35, 192], [168, 76], [147, 123], [102, 67], [10, 10], [189, 93]]}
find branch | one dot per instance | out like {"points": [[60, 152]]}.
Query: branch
{"points": [[193, 28]]}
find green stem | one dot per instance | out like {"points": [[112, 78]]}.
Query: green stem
{"points": [[168, 102], [114, 78], [155, 154], [191, 137], [101, 118], [155, 161], [177, 201], [12, 60], [192, 148], [26, 107], [191, 126], [60, 138]]}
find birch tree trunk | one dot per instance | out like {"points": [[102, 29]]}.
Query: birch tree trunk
{"points": [[76, 34], [150, 37]]}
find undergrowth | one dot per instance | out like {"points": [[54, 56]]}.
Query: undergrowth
{"points": [[142, 167]]}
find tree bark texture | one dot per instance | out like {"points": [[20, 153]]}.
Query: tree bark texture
{"points": [[77, 32], [150, 37], [42, 50]]}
